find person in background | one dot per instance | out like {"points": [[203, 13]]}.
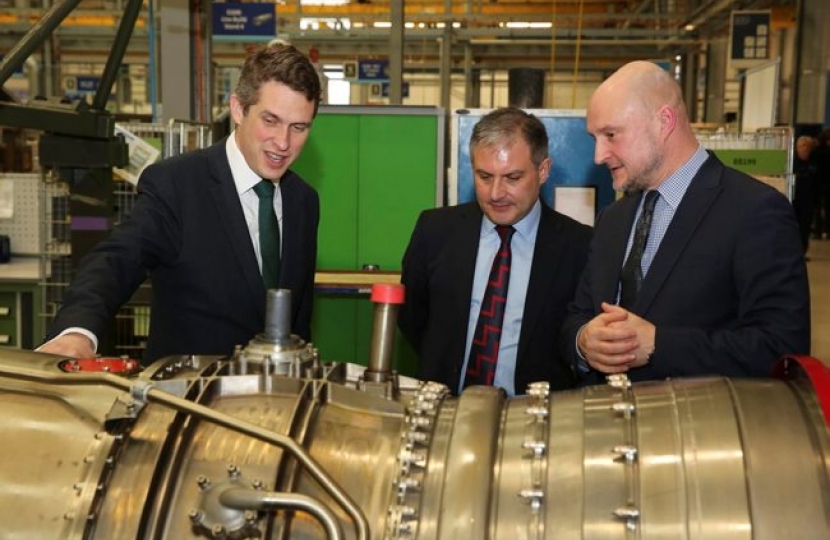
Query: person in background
{"points": [[718, 283], [449, 262], [821, 157], [805, 191], [204, 224]]}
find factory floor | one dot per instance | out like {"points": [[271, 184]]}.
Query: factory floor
{"points": [[818, 267]]}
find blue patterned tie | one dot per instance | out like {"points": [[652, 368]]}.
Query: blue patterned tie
{"points": [[269, 235], [484, 351], [631, 277]]}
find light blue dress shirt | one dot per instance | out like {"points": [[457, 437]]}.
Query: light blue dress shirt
{"points": [[671, 193], [522, 246]]}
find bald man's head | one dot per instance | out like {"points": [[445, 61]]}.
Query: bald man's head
{"points": [[640, 126], [643, 83]]}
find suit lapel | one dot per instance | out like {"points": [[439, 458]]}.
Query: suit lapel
{"points": [[463, 251], [608, 263], [701, 194], [547, 255], [291, 219], [226, 200]]}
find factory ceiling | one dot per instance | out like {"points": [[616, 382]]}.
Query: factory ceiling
{"points": [[492, 34]]}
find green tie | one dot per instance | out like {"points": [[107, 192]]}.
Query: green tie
{"points": [[269, 235]]}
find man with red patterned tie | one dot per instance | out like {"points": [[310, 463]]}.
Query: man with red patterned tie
{"points": [[488, 282]]}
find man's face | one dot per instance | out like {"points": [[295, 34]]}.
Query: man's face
{"points": [[803, 148], [507, 183], [627, 142], [274, 130]]}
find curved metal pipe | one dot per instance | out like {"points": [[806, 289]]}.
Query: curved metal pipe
{"points": [[143, 390], [247, 499]]}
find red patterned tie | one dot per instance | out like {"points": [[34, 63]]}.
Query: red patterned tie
{"points": [[484, 351]]}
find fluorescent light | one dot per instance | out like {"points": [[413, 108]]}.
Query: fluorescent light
{"points": [[528, 25]]}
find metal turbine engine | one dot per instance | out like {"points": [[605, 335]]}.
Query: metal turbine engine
{"points": [[271, 443]]}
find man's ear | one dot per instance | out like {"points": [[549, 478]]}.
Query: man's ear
{"points": [[668, 120], [544, 169], [237, 110]]}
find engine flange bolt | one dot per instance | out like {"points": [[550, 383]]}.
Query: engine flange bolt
{"points": [[625, 407], [630, 514], [626, 451], [538, 412], [538, 447]]}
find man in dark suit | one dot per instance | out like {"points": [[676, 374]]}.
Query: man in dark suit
{"points": [[723, 286], [195, 229], [450, 254]]}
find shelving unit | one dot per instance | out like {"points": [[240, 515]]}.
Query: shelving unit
{"points": [[133, 320]]}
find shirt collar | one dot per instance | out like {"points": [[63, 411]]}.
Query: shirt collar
{"points": [[675, 186], [524, 227], [243, 176]]}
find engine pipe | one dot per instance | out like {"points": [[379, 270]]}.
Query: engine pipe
{"points": [[387, 298]]}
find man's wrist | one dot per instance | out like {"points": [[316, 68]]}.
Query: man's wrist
{"points": [[580, 362]]}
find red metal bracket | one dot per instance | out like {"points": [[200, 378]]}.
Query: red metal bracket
{"points": [[790, 367]]}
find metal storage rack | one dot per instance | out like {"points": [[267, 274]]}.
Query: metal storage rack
{"points": [[766, 154], [133, 319]]}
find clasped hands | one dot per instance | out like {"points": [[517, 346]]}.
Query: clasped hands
{"points": [[616, 340]]}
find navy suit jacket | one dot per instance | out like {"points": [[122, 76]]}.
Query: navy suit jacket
{"points": [[187, 232], [438, 269], [727, 289]]}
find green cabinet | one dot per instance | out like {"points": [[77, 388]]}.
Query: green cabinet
{"points": [[376, 169], [20, 323]]}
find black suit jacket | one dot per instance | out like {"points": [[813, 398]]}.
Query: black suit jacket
{"points": [[438, 269], [187, 231], [727, 289]]}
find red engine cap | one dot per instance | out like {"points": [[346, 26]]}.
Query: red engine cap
{"points": [[119, 366], [387, 293]]}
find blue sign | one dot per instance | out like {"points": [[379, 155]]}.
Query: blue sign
{"points": [[244, 21], [86, 83], [80, 86], [373, 70]]}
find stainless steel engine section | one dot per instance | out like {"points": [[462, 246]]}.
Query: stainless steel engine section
{"points": [[220, 447]]}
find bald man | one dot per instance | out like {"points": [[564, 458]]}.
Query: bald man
{"points": [[722, 288]]}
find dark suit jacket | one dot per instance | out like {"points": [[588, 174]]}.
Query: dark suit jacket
{"points": [[188, 231], [438, 270], [727, 289]]}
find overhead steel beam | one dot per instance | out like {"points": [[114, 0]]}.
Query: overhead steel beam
{"points": [[119, 47]]}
